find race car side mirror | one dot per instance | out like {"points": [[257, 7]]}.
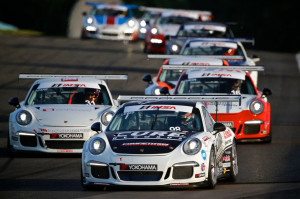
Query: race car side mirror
{"points": [[148, 78], [84, 13], [96, 127], [267, 92], [219, 127], [167, 37], [255, 58], [14, 101], [164, 91]]}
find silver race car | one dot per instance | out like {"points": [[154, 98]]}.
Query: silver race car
{"points": [[57, 113], [173, 143]]}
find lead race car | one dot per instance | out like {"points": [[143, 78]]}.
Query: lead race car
{"points": [[57, 113], [110, 21], [252, 120], [160, 141]]}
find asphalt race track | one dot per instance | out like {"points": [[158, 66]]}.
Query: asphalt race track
{"points": [[265, 170]]}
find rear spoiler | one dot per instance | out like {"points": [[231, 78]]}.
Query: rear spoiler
{"points": [[153, 9], [240, 39], [188, 67], [144, 8], [194, 98], [99, 77], [152, 56]]}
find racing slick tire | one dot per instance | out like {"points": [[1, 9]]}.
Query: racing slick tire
{"points": [[11, 152], [212, 170], [268, 139], [233, 163]]}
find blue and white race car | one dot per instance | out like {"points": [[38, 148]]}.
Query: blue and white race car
{"points": [[110, 21], [57, 113], [160, 143]]}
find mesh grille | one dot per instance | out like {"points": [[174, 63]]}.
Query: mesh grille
{"points": [[64, 144], [251, 128], [28, 141], [183, 172], [140, 175]]}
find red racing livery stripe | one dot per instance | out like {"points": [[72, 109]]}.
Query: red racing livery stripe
{"points": [[110, 20]]}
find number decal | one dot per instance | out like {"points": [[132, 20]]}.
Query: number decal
{"points": [[176, 128]]}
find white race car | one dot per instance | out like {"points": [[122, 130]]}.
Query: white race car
{"points": [[110, 21], [57, 113], [160, 143]]}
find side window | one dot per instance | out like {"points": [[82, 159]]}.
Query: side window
{"points": [[197, 124], [104, 96], [32, 95], [208, 120]]}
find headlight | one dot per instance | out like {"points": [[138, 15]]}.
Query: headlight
{"points": [[106, 117], [89, 20], [23, 117], [157, 91], [256, 107], [97, 146], [131, 23], [192, 146], [143, 23], [174, 47], [154, 31]]}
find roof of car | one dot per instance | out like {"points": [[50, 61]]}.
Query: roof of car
{"points": [[70, 81]]}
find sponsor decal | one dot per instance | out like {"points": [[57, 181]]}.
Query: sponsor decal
{"points": [[224, 170], [228, 124], [64, 150], [136, 167], [67, 85], [199, 175], [226, 164], [228, 142], [202, 167], [180, 184], [205, 138], [48, 109], [195, 64], [69, 79], [146, 144], [161, 107], [215, 75], [228, 152], [66, 136], [35, 131], [226, 158], [68, 130], [227, 134], [178, 136], [203, 154]]}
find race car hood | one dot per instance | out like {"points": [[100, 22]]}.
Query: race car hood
{"points": [[170, 29], [111, 20], [67, 115], [146, 142]]}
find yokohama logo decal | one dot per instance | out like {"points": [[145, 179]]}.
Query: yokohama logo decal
{"points": [[136, 167]]}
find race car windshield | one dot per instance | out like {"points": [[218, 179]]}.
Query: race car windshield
{"points": [[216, 85], [202, 33], [156, 120], [212, 50], [109, 12], [169, 75], [69, 95], [173, 20]]}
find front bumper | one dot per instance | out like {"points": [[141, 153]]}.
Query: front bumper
{"points": [[246, 125], [112, 33], [48, 142], [168, 173]]}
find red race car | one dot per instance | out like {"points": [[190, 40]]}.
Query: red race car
{"points": [[249, 120], [168, 23]]}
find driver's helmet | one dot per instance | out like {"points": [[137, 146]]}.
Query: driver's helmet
{"points": [[230, 51], [185, 118], [92, 94]]}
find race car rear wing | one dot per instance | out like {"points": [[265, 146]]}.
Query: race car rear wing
{"points": [[144, 8], [188, 67], [195, 98], [243, 40], [99, 77], [228, 57]]}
